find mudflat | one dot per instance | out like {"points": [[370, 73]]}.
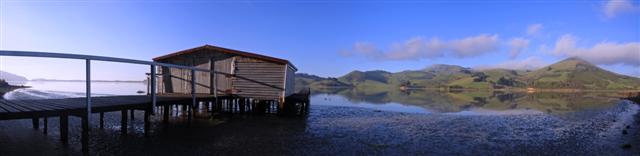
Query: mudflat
{"points": [[334, 130]]}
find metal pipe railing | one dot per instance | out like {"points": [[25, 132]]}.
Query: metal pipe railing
{"points": [[88, 84], [89, 58]]}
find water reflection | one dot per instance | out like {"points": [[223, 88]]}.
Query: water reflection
{"points": [[464, 102]]}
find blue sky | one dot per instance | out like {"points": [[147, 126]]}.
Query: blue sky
{"points": [[323, 38]]}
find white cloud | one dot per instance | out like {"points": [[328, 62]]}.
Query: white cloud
{"points": [[530, 63], [517, 45], [419, 48], [614, 7], [474, 46], [365, 48], [534, 29], [416, 48], [604, 53], [362, 49]]}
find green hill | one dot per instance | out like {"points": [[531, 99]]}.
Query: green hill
{"points": [[579, 74], [572, 73], [376, 78], [304, 80]]}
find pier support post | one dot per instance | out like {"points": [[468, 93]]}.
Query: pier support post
{"points": [[189, 114], [281, 107], [85, 134], [205, 105], [132, 114], [64, 128], [147, 125], [178, 108], [46, 126], [242, 105], [165, 115], [101, 120], [36, 123], [267, 105], [152, 87], [123, 122], [213, 106]]}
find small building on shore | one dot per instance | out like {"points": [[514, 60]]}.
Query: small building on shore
{"points": [[238, 73]]}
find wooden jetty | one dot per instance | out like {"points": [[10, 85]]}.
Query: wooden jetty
{"points": [[285, 103], [63, 108]]}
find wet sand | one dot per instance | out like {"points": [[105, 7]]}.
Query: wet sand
{"points": [[331, 130], [6, 89]]}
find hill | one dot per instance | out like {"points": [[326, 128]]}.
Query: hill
{"points": [[377, 78], [572, 73], [579, 74], [304, 80], [11, 77]]}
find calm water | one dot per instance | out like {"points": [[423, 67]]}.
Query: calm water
{"points": [[464, 103], [60, 89], [358, 122]]}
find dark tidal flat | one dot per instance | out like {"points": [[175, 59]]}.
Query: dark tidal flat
{"points": [[335, 130]]}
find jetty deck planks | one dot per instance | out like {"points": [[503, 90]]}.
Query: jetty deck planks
{"points": [[25, 109]]}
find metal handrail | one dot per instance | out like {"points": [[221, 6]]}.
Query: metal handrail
{"points": [[88, 59], [91, 57]]}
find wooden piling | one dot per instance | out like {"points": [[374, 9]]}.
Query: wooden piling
{"points": [[101, 120], [208, 106], [132, 114], [85, 133], [46, 126], [242, 105], [165, 115], [123, 122], [35, 123], [64, 128], [189, 113], [147, 125], [177, 109], [219, 105]]}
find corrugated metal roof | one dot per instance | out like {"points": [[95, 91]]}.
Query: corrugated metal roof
{"points": [[226, 50]]}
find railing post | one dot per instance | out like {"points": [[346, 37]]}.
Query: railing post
{"points": [[85, 120], [153, 88], [215, 84], [88, 87], [193, 86]]}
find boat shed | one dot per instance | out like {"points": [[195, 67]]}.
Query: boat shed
{"points": [[237, 73]]}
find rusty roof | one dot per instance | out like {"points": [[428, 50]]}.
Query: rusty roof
{"points": [[226, 50]]}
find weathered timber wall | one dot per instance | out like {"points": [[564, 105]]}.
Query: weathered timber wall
{"points": [[258, 79]]}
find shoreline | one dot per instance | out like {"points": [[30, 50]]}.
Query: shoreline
{"points": [[6, 89]]}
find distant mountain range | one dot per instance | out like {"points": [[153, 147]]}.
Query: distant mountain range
{"points": [[11, 77], [571, 73]]}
